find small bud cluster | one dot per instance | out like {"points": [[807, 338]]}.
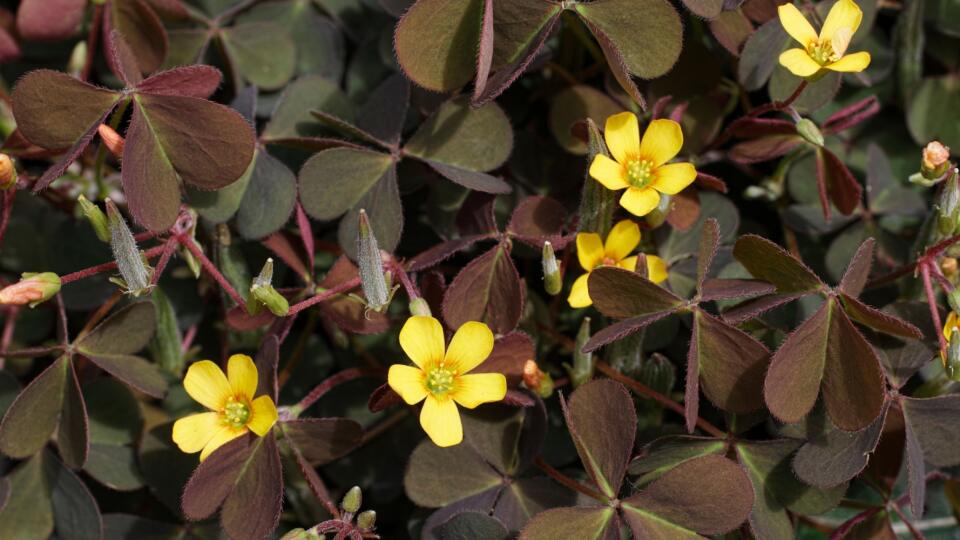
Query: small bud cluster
{"points": [[350, 523]]}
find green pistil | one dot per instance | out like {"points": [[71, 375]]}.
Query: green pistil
{"points": [[639, 173], [440, 381], [236, 413], [822, 52]]}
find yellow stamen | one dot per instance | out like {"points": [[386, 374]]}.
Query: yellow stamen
{"points": [[639, 172], [236, 413], [439, 380]]}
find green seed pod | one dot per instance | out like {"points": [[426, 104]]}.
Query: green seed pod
{"points": [[352, 500], [136, 274], [658, 215], [96, 217], [952, 365], [552, 281], [369, 260], [948, 207], [262, 293]]}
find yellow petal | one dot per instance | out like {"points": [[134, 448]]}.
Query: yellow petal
{"points": [[579, 295], [950, 325], [470, 346], [441, 420], [674, 177], [192, 433], [662, 140], [640, 202], [799, 62], [841, 40], [656, 269], [796, 24], [608, 172], [472, 390], [422, 339], [408, 382], [589, 250], [206, 383], [843, 14], [622, 133], [851, 63], [222, 437], [630, 263], [623, 238], [242, 374], [263, 415]]}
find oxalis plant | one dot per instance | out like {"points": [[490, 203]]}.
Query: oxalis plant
{"points": [[479, 269]]}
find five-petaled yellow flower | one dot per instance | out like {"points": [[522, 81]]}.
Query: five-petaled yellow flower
{"points": [[592, 252], [229, 397], [440, 377], [827, 50], [640, 166]]}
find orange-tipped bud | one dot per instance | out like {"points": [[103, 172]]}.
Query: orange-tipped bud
{"points": [[32, 289], [935, 160], [8, 172], [111, 139]]}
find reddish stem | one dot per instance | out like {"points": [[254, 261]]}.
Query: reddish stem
{"points": [[324, 295], [9, 326], [7, 211], [188, 339], [934, 310], [306, 236], [643, 390], [105, 267], [165, 256], [334, 380], [412, 292], [92, 37], [568, 482], [211, 269]]}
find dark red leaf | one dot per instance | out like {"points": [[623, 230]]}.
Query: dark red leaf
{"points": [[72, 435], [599, 523], [214, 478], [197, 81], [853, 383], [620, 293], [602, 421], [709, 242], [475, 180], [322, 440], [488, 289], [150, 182], [751, 127], [617, 64], [476, 215], [851, 115], [622, 329], [537, 219], [858, 270], [879, 320], [833, 457], [34, 415], [9, 51], [934, 420], [769, 262], [442, 251], [140, 26], [764, 148], [348, 313], [732, 364], [916, 469], [844, 190], [757, 306], [49, 20], [708, 181], [252, 510], [383, 398], [796, 369], [727, 289], [122, 61], [509, 354], [266, 361]]}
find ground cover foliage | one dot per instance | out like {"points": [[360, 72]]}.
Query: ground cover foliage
{"points": [[479, 269]]}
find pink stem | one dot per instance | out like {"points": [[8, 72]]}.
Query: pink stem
{"points": [[334, 380], [211, 269], [105, 267], [165, 256], [324, 295], [7, 212], [408, 285], [934, 311]]}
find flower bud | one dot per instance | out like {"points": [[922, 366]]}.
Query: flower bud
{"points": [[78, 58], [658, 215], [420, 307], [301, 534], [948, 207], [539, 381], [262, 293], [952, 363], [96, 217], [935, 160], [552, 280], [352, 500], [810, 132], [33, 288], [112, 140], [8, 172], [366, 520], [582, 369]]}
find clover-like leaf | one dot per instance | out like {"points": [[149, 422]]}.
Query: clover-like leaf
{"points": [[487, 289], [436, 42]]}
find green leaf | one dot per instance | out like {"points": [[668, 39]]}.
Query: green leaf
{"points": [[114, 466], [35, 414], [291, 119], [113, 411], [436, 42], [126, 331], [262, 52], [476, 139], [269, 197], [165, 347], [585, 523], [165, 469], [334, 180], [29, 510], [75, 511], [932, 112], [602, 422], [647, 33], [472, 525], [576, 104], [761, 53]]}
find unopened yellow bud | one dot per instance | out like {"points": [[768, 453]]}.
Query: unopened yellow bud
{"points": [[935, 160], [33, 288], [111, 139], [8, 172]]}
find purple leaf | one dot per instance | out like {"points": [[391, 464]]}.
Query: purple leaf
{"points": [[488, 289], [602, 422], [150, 183], [858, 270], [709, 243], [252, 509], [49, 20], [599, 523], [34, 415], [731, 363], [122, 61], [322, 440], [140, 26], [836, 179], [624, 328], [442, 252], [769, 262], [197, 81], [620, 293], [833, 457], [266, 361], [537, 219], [728, 289], [878, 320], [72, 434]]}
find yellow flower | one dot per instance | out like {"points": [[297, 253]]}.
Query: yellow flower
{"points": [[440, 377], [827, 50], [592, 252], [952, 323], [229, 397], [640, 166]]}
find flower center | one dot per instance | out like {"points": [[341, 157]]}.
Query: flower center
{"points": [[440, 380], [640, 172], [608, 261], [236, 413], [822, 52]]}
